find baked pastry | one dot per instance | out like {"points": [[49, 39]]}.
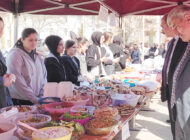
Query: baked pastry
{"points": [[106, 112], [138, 90]]}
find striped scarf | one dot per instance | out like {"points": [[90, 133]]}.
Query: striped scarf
{"points": [[176, 74]]}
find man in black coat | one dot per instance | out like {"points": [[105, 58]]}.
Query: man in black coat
{"points": [[179, 87], [176, 48]]}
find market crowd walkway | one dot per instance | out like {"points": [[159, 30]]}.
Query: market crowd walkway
{"points": [[154, 123]]}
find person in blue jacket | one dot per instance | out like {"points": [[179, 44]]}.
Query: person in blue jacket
{"points": [[5, 79]]}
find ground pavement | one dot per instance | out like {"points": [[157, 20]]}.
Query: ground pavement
{"points": [[153, 123]]}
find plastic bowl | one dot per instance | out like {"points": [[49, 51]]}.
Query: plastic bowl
{"points": [[107, 87], [100, 131], [35, 124], [26, 109], [56, 109], [81, 121], [84, 101], [67, 137], [21, 136], [9, 129], [89, 109], [48, 100]]}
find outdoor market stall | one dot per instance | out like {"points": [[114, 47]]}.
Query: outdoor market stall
{"points": [[99, 111]]}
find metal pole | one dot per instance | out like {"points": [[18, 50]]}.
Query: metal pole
{"points": [[15, 27], [143, 40]]}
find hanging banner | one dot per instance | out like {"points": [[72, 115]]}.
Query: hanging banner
{"points": [[103, 14], [112, 20]]}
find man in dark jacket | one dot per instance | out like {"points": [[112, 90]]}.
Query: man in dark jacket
{"points": [[178, 19], [118, 52], [176, 48]]}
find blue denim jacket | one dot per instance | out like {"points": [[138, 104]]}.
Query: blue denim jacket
{"points": [[4, 101]]}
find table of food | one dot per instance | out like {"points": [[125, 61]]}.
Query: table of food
{"points": [[97, 111]]}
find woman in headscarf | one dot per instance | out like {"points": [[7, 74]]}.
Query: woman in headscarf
{"points": [[118, 52], [53, 62], [29, 68], [95, 55], [5, 79]]}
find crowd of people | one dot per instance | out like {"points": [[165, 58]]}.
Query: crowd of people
{"points": [[25, 71]]}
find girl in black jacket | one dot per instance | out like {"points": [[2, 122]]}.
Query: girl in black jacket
{"points": [[72, 63], [55, 68]]}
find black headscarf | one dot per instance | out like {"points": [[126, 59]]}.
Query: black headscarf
{"points": [[96, 36], [52, 43]]}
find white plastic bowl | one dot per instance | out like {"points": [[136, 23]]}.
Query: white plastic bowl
{"points": [[9, 128], [35, 124]]}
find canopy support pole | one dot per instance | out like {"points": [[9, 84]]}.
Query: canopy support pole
{"points": [[16, 15], [15, 27], [143, 22]]}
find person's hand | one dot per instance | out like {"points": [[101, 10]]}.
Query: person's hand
{"points": [[116, 60], [9, 79], [104, 59], [159, 77], [89, 77], [81, 78]]}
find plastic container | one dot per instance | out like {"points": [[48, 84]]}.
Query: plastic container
{"points": [[131, 84], [67, 137], [130, 99], [9, 129], [89, 109], [48, 100], [35, 124], [119, 99]]}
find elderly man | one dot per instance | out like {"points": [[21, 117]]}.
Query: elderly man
{"points": [[173, 56], [179, 20]]}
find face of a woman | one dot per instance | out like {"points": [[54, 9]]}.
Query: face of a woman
{"points": [[30, 42], [60, 47], [84, 47], [72, 51], [1, 28], [102, 39]]}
